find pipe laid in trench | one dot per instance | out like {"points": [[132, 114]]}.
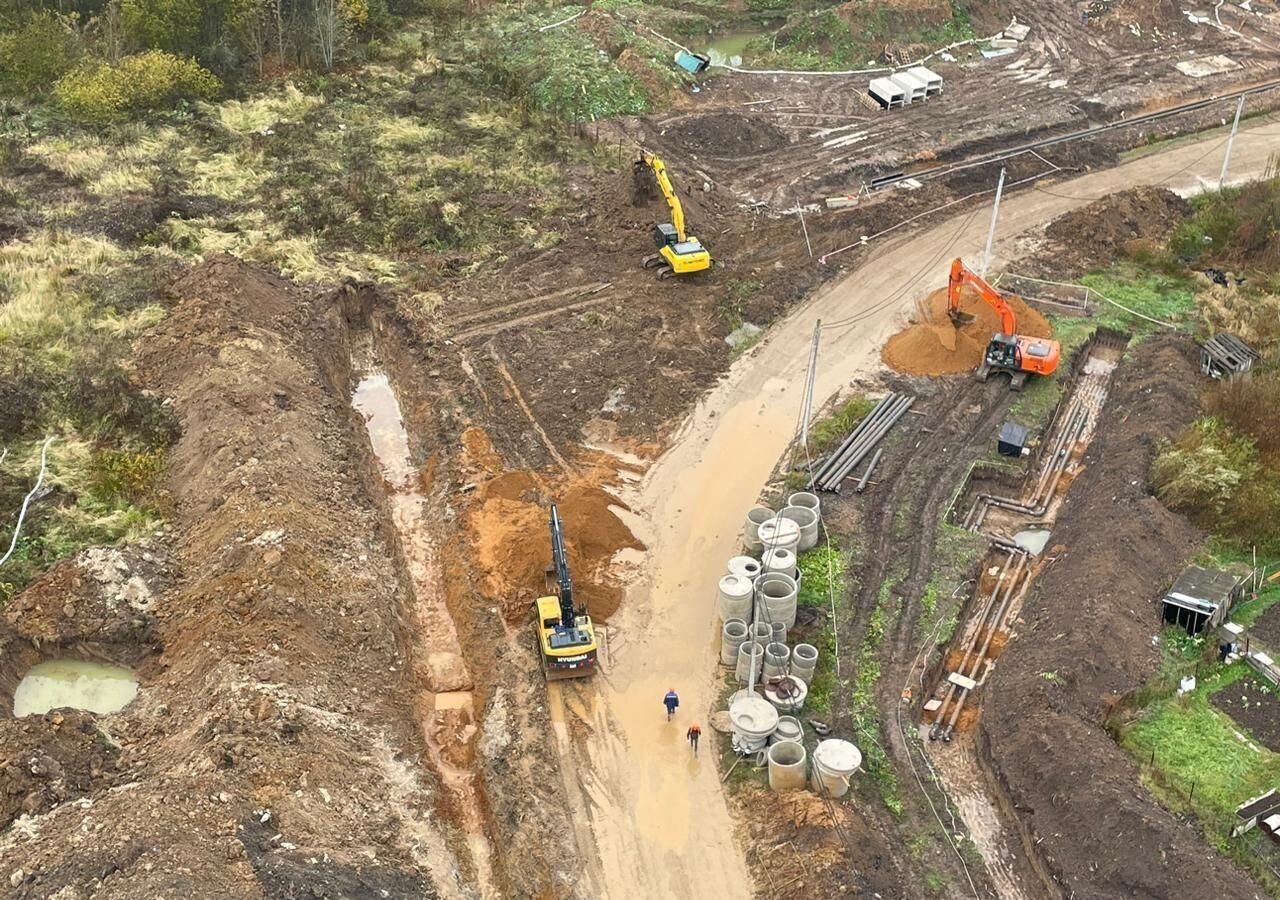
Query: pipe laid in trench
{"points": [[986, 644], [987, 605]]}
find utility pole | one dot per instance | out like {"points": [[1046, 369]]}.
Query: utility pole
{"points": [[991, 232], [806, 409], [1226, 160], [804, 228]]}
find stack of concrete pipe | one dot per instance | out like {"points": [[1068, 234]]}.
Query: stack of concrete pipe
{"points": [[780, 559], [779, 533], [778, 594], [757, 516], [776, 658], [735, 597], [860, 442], [787, 766], [834, 762], [751, 720], [732, 636], [804, 662], [744, 566], [750, 659]]}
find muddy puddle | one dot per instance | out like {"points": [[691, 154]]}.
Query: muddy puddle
{"points": [[74, 683], [1033, 540], [449, 728]]}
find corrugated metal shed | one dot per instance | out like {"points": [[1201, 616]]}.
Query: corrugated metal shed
{"points": [[1225, 354]]}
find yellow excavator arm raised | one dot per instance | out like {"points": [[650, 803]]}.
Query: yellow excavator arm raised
{"points": [[679, 253], [668, 192]]}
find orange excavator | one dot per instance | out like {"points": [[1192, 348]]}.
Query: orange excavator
{"points": [[1018, 355]]}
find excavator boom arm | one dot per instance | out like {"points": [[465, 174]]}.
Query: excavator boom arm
{"points": [[668, 192], [568, 618], [962, 275]]}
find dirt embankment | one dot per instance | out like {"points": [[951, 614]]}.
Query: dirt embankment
{"points": [[1089, 621], [934, 346], [270, 751]]}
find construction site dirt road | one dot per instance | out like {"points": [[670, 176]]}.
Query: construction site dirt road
{"points": [[659, 823]]}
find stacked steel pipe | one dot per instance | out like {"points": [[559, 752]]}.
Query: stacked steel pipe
{"points": [[861, 441]]}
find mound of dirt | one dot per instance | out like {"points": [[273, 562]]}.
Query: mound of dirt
{"points": [[1095, 234], [1089, 620], [728, 135], [512, 543], [936, 347]]}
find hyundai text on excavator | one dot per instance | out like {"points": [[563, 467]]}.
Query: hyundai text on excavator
{"points": [[679, 253], [1018, 355], [566, 637]]}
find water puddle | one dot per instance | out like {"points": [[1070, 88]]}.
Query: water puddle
{"points": [[727, 48], [1033, 540], [74, 683], [450, 730]]}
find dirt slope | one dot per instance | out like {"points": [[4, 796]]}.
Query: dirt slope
{"points": [[1090, 620]]}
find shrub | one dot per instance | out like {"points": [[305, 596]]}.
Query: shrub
{"points": [[1202, 472], [172, 25], [37, 54], [1251, 406], [151, 80]]}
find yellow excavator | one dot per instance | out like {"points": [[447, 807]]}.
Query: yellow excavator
{"points": [[566, 637], [679, 253]]}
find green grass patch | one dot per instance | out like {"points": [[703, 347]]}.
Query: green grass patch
{"points": [[1158, 294], [830, 430], [824, 571], [863, 710]]}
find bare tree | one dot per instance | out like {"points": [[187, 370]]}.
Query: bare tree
{"points": [[327, 16]]}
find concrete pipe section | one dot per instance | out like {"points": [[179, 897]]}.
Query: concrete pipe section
{"points": [[778, 633], [779, 598], [779, 532], [750, 656], [735, 597], [761, 632], [804, 662], [787, 695], [787, 766], [789, 729], [751, 531], [808, 501], [752, 720], [744, 566], [807, 520], [732, 637], [779, 560], [834, 762], [776, 658]]}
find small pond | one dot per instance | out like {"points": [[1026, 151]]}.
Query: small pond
{"points": [[75, 683]]}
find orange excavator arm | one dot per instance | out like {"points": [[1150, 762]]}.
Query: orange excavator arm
{"points": [[962, 275]]}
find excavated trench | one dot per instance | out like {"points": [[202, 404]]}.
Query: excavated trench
{"points": [[1018, 520], [400, 464]]}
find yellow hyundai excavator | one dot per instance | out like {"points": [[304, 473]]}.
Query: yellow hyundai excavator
{"points": [[566, 637], [679, 253]]}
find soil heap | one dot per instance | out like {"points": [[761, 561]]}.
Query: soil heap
{"points": [[925, 348], [1095, 234]]}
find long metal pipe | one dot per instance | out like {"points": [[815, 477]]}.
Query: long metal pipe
{"points": [[871, 467], [852, 436], [856, 454]]}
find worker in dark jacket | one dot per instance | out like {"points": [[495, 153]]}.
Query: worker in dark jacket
{"points": [[671, 701], [692, 736]]}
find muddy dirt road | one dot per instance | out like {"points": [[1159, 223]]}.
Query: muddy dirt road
{"points": [[658, 819]]}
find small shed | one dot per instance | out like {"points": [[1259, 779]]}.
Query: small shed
{"points": [[1225, 355], [932, 80], [887, 93], [913, 87], [1252, 812], [1200, 598]]}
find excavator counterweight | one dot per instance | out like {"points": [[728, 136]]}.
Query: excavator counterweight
{"points": [[1017, 355], [679, 253]]}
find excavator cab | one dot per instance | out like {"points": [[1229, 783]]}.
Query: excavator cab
{"points": [[1002, 352]]}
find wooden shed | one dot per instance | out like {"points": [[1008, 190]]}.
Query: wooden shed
{"points": [[1201, 598]]}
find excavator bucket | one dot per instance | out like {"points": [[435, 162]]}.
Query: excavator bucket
{"points": [[960, 319]]}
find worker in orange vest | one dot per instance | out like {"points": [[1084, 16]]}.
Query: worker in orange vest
{"points": [[692, 736]]}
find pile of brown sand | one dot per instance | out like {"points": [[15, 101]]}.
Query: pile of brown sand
{"points": [[512, 543], [936, 347]]}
